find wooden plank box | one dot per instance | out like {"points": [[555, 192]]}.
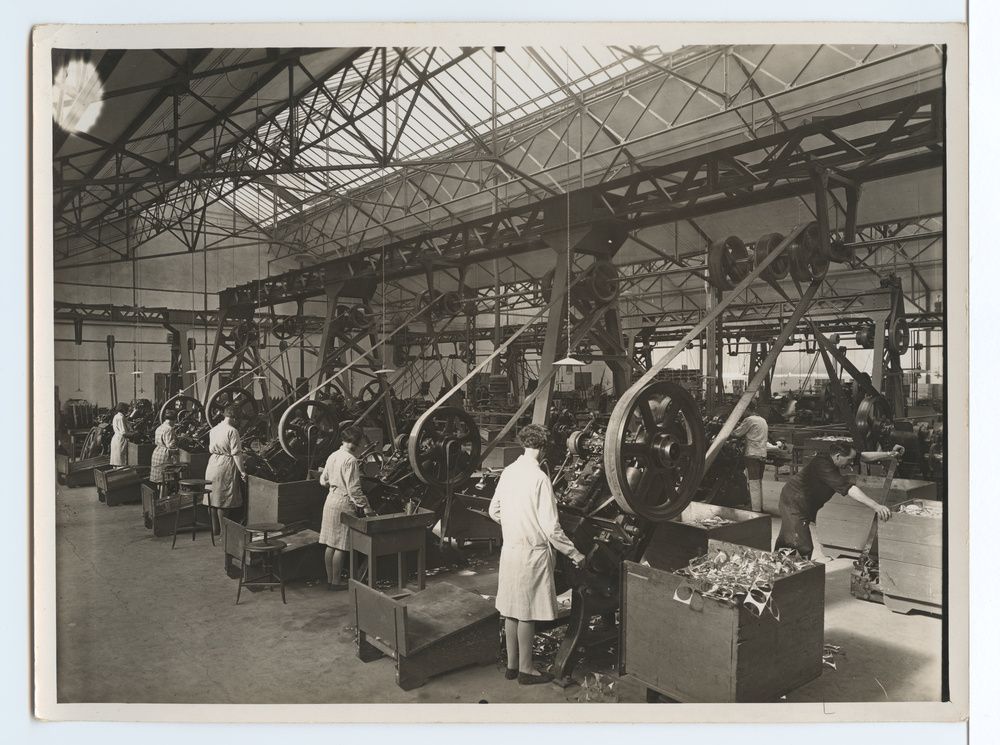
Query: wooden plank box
{"points": [[302, 557], [196, 464], [713, 652], [677, 541], [164, 512], [286, 503], [140, 454], [427, 633], [502, 456], [843, 524], [75, 473], [119, 485], [910, 559]]}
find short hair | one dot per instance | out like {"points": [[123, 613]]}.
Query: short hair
{"points": [[122, 407], [351, 435], [534, 436], [229, 412], [842, 449], [169, 415]]}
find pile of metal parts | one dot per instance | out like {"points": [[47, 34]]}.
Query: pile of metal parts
{"points": [[934, 510], [739, 575]]}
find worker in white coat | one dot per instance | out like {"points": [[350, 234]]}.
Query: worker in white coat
{"points": [[525, 507], [119, 445], [225, 463]]}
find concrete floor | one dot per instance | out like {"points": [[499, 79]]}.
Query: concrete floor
{"points": [[138, 622]]}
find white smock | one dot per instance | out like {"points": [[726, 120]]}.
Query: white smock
{"points": [[119, 445], [224, 443], [525, 507]]}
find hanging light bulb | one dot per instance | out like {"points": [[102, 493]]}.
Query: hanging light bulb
{"points": [[569, 360]]}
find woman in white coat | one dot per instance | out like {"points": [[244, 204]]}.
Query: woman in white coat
{"points": [[341, 476], [225, 461], [119, 445], [525, 507]]}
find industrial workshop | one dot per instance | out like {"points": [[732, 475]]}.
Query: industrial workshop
{"points": [[510, 374]]}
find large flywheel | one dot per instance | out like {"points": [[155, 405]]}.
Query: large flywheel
{"points": [[240, 399], [654, 450], [874, 422], [187, 408], [444, 446], [310, 429]]}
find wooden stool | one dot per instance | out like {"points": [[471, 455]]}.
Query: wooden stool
{"points": [[264, 528], [196, 489], [270, 555]]}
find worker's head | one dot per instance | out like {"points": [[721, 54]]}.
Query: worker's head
{"points": [[534, 437], [122, 407], [353, 437], [751, 407], [229, 412], [169, 416], [842, 453]]}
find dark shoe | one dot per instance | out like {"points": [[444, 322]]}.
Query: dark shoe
{"points": [[511, 674], [337, 588], [530, 680]]}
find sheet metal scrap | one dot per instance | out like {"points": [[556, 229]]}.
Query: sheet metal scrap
{"points": [[739, 576], [597, 688], [715, 521], [831, 651], [926, 509]]}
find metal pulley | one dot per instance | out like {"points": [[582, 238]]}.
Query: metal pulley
{"points": [[874, 422], [186, 408], [777, 269], [309, 429], [601, 282], [899, 335], [865, 336], [448, 303], [444, 446], [240, 399], [728, 263], [583, 443], [288, 328], [840, 253], [654, 450], [810, 261]]}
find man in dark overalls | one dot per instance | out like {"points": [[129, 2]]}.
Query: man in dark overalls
{"points": [[807, 491]]}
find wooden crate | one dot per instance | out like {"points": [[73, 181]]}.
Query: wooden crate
{"points": [[196, 464], [713, 652], [427, 633], [164, 512], [910, 559], [502, 456], [467, 523], [843, 524], [302, 557], [677, 541], [119, 485], [286, 503], [75, 473], [140, 454]]}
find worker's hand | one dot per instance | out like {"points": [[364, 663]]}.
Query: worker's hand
{"points": [[578, 560], [882, 511], [897, 451]]}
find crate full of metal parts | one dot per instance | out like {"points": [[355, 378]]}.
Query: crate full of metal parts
{"points": [[910, 557], [736, 625], [675, 542]]}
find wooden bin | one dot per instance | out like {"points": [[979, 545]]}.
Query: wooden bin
{"points": [[427, 633], [302, 557], [286, 503], [78, 472], [119, 485], [140, 454], [164, 512], [677, 541], [717, 652], [196, 464], [843, 524], [910, 562]]}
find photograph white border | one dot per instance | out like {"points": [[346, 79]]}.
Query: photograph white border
{"points": [[45, 38]]}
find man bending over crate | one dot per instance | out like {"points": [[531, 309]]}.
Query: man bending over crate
{"points": [[807, 491]]}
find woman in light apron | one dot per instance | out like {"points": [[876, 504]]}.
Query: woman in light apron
{"points": [[340, 474], [119, 445], [165, 452], [225, 462]]}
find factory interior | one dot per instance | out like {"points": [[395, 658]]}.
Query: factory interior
{"points": [[647, 251]]}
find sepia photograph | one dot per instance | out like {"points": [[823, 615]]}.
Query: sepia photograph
{"points": [[578, 370]]}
